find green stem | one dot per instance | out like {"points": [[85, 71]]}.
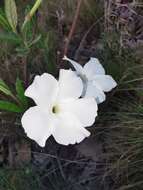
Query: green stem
{"points": [[32, 12]]}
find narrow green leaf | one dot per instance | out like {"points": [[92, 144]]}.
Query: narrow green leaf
{"points": [[11, 13], [3, 84], [9, 106], [3, 21], [4, 88], [31, 13], [10, 38], [20, 92], [35, 40]]}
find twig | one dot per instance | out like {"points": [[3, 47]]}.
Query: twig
{"points": [[72, 30]]}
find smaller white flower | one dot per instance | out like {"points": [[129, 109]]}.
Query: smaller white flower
{"points": [[59, 111], [95, 81]]}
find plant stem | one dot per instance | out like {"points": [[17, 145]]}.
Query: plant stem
{"points": [[32, 12], [73, 27]]}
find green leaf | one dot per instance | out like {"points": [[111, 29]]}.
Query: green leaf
{"points": [[9, 106], [35, 40], [20, 92], [3, 21], [11, 13], [31, 13], [4, 88], [22, 51], [10, 38]]}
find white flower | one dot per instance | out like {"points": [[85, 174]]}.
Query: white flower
{"points": [[95, 81], [59, 111]]}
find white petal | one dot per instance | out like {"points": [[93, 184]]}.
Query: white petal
{"points": [[69, 130], [70, 85], [77, 66], [106, 82], [43, 90], [37, 125], [93, 67], [96, 92], [85, 109]]}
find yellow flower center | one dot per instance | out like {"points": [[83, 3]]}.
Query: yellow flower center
{"points": [[55, 109]]}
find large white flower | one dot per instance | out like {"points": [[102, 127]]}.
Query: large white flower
{"points": [[95, 81], [59, 111]]}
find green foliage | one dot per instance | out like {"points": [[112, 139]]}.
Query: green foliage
{"points": [[31, 13], [24, 39], [4, 88], [3, 21], [20, 93], [10, 38], [27, 30], [20, 99], [9, 106], [11, 14]]}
